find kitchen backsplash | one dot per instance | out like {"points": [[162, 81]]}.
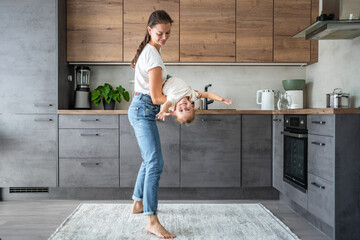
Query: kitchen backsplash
{"points": [[238, 83], [338, 67]]}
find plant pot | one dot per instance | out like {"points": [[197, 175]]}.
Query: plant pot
{"points": [[109, 106]]}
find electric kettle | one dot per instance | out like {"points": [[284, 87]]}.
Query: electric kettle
{"points": [[266, 99]]}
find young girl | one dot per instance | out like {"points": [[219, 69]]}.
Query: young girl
{"points": [[180, 97]]}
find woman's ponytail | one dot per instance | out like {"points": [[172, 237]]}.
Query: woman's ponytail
{"points": [[158, 16]]}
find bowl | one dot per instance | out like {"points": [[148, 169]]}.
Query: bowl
{"points": [[293, 84]]}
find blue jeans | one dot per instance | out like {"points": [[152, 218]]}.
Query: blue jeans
{"points": [[142, 113]]}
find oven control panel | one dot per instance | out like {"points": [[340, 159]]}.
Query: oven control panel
{"points": [[295, 121]]}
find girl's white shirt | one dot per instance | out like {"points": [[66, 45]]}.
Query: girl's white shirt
{"points": [[175, 89], [149, 58]]}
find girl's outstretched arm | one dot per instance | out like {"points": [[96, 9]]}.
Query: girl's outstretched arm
{"points": [[214, 97]]}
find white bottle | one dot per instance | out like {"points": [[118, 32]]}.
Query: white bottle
{"points": [[266, 99]]}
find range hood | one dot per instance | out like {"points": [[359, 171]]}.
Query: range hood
{"points": [[340, 28], [331, 29]]}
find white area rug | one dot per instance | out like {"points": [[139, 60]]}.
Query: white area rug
{"points": [[187, 221]]}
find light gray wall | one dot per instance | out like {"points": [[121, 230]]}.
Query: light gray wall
{"points": [[238, 83], [338, 67]]}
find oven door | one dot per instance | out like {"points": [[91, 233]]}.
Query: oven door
{"points": [[295, 159]]}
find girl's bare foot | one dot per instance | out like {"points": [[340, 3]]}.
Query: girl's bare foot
{"points": [[137, 207], [153, 226]]}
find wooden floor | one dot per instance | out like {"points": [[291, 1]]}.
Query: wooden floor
{"points": [[30, 220]]}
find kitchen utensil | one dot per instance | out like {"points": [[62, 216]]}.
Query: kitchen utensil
{"points": [[293, 84], [338, 99], [284, 101], [297, 99], [82, 92], [265, 98]]}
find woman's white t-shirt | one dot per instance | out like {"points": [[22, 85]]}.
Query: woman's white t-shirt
{"points": [[149, 58], [175, 89]]}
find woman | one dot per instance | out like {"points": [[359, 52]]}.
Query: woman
{"points": [[150, 74]]}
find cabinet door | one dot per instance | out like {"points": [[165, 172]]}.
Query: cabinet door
{"points": [[28, 56], [28, 150], [207, 31], [290, 17], [136, 15], [130, 156], [88, 143], [254, 31], [278, 152], [256, 150], [321, 199], [89, 172], [210, 152], [94, 30]]}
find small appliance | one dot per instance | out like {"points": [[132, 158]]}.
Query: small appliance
{"points": [[82, 92], [265, 98]]}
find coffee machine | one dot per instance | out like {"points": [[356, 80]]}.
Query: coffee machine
{"points": [[82, 91]]}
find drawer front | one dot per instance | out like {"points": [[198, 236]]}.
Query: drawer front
{"points": [[88, 121], [89, 172], [321, 124], [83, 143], [321, 199], [295, 194], [321, 156]]}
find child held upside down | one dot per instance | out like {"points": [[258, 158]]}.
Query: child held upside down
{"points": [[180, 98]]}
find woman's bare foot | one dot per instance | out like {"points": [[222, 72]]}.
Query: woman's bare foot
{"points": [[153, 226], [137, 207]]}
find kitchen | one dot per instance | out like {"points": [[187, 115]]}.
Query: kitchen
{"points": [[336, 67]]}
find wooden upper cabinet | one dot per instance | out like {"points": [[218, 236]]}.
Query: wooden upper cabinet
{"points": [[207, 31], [290, 17], [254, 31], [314, 44], [136, 16], [94, 30]]}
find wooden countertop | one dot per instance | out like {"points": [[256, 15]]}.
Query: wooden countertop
{"points": [[231, 111]]}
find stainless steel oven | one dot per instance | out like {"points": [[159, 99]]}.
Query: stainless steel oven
{"points": [[295, 151]]}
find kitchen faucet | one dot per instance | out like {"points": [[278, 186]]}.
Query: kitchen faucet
{"points": [[206, 101]]}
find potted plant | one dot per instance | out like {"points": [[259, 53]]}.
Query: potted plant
{"points": [[109, 95]]}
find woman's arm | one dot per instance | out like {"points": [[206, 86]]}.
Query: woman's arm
{"points": [[215, 97], [155, 86]]}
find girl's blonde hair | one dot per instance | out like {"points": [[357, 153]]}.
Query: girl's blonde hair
{"points": [[186, 120]]}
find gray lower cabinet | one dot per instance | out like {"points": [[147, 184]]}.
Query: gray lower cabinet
{"points": [[130, 156], [88, 150], [28, 59], [333, 174], [28, 150], [89, 172], [278, 152], [210, 151], [256, 151]]}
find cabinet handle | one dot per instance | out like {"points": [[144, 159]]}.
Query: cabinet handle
{"points": [[210, 120], [318, 122], [87, 164], [89, 120], [276, 120], [317, 185], [318, 143], [89, 134], [42, 105], [43, 120]]}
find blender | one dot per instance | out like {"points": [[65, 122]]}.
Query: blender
{"points": [[82, 92]]}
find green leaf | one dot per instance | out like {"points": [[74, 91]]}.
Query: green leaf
{"points": [[126, 96]]}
